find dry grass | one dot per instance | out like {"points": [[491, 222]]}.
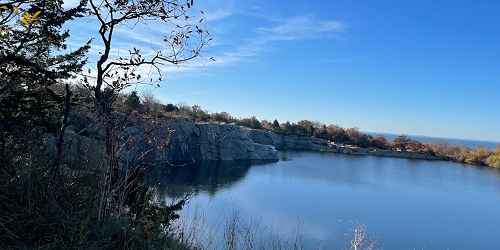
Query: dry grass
{"points": [[235, 232]]}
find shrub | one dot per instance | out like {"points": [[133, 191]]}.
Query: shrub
{"points": [[133, 101], [170, 108], [252, 122], [151, 104], [494, 159]]}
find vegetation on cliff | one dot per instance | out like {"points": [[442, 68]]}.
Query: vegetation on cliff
{"points": [[49, 200], [349, 136]]}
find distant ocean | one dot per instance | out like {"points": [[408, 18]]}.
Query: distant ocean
{"points": [[451, 141]]}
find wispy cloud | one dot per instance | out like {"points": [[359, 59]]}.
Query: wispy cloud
{"points": [[229, 47], [301, 27], [217, 15], [284, 29]]}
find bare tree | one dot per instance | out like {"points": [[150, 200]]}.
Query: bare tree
{"points": [[184, 43], [114, 74]]}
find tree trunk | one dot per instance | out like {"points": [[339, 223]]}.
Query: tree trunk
{"points": [[62, 130]]}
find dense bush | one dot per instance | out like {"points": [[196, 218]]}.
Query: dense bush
{"points": [[170, 108], [133, 101], [494, 159], [405, 143], [477, 156], [250, 122]]}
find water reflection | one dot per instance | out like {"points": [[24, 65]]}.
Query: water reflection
{"points": [[206, 176], [407, 204]]}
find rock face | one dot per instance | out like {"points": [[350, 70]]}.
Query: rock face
{"points": [[191, 142], [181, 141], [288, 142], [81, 151], [209, 141]]}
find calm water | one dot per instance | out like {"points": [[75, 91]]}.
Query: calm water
{"points": [[405, 204]]}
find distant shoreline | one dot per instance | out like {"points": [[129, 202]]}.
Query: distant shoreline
{"points": [[386, 153], [471, 143]]}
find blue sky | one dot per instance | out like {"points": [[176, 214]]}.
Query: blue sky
{"points": [[415, 67]]}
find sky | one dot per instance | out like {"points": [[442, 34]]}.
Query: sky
{"points": [[407, 67]]}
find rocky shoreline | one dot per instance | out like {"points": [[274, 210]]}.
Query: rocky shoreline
{"points": [[213, 141], [181, 141]]}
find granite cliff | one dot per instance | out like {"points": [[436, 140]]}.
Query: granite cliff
{"points": [[182, 141]]}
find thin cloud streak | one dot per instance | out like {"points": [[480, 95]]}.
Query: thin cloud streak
{"points": [[217, 15], [150, 38], [286, 29], [301, 27]]}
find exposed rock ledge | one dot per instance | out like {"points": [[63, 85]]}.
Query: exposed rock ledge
{"points": [[211, 141], [191, 142]]}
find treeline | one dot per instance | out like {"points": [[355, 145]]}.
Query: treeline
{"points": [[147, 103], [352, 136], [334, 133]]}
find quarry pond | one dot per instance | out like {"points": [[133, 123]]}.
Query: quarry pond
{"points": [[322, 197]]}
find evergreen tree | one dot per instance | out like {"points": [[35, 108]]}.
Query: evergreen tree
{"points": [[33, 61], [288, 128], [170, 108], [133, 101], [276, 125], [33, 58]]}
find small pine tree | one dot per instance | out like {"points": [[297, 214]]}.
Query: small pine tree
{"points": [[170, 108], [276, 125], [287, 128], [255, 123], [133, 101]]}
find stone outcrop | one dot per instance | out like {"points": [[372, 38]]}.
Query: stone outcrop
{"points": [[81, 153], [210, 141], [293, 142], [288, 142], [182, 141], [190, 142]]}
